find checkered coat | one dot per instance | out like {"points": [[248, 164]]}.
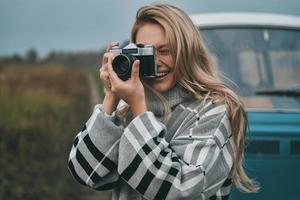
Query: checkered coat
{"points": [[189, 157]]}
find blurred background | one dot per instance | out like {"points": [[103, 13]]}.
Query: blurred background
{"points": [[50, 53]]}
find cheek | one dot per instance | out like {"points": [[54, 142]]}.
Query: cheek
{"points": [[171, 79], [169, 61]]}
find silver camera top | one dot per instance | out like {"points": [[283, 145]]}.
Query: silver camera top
{"points": [[133, 49]]}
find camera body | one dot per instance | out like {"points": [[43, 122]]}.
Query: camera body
{"points": [[122, 63]]}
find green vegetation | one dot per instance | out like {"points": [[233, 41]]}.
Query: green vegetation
{"points": [[41, 110]]}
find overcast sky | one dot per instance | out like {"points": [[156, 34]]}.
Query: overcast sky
{"points": [[78, 25]]}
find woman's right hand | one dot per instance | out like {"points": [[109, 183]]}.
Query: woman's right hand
{"points": [[110, 100], [104, 75]]}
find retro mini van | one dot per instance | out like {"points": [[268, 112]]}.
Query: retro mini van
{"points": [[258, 55]]}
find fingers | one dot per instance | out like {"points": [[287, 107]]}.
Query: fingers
{"points": [[112, 75], [112, 44], [105, 57], [106, 54], [104, 66], [104, 76], [103, 71], [135, 70]]}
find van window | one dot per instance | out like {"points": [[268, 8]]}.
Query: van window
{"points": [[257, 61]]}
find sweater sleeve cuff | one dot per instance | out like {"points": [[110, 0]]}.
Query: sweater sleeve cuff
{"points": [[110, 117]]}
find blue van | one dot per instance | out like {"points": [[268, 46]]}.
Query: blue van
{"points": [[258, 55]]}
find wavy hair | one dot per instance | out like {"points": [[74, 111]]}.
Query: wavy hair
{"points": [[195, 72]]}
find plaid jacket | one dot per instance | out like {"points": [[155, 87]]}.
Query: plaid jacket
{"points": [[190, 157]]}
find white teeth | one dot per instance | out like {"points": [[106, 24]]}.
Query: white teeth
{"points": [[161, 74]]}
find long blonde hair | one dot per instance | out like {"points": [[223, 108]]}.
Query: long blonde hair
{"points": [[196, 73]]}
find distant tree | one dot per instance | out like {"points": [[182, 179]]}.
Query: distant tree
{"points": [[51, 56], [31, 55], [16, 58]]}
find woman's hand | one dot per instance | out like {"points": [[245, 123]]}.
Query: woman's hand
{"points": [[104, 74], [131, 90], [111, 100]]}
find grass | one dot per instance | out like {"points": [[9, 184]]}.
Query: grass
{"points": [[42, 108]]}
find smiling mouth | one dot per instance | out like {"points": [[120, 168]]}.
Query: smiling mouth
{"points": [[162, 74]]}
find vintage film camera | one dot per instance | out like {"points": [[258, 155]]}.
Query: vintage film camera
{"points": [[122, 63]]}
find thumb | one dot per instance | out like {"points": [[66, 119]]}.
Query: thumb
{"points": [[135, 70]]}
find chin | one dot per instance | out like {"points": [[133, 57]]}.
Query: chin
{"points": [[161, 87]]}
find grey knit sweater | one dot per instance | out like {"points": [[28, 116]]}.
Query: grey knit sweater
{"points": [[189, 157]]}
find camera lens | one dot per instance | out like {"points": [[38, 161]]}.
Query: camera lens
{"points": [[122, 65]]}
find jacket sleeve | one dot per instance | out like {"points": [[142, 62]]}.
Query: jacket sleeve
{"points": [[94, 155], [195, 164]]}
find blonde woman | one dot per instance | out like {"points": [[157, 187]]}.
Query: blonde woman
{"points": [[181, 135]]}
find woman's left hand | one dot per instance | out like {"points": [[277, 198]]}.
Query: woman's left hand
{"points": [[131, 90]]}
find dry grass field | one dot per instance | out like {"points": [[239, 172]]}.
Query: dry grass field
{"points": [[42, 107]]}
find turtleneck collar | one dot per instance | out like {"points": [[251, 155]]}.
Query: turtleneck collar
{"points": [[174, 97]]}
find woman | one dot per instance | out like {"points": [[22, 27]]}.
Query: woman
{"points": [[181, 135]]}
